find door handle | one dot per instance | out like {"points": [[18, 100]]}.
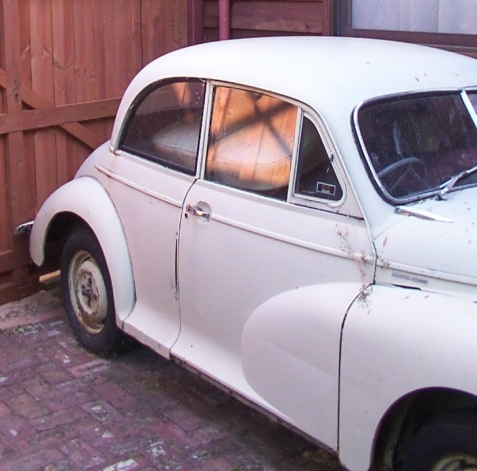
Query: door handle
{"points": [[196, 211]]}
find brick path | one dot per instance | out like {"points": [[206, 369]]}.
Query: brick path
{"points": [[62, 408]]}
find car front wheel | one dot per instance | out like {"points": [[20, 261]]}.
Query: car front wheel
{"points": [[447, 443], [87, 293]]}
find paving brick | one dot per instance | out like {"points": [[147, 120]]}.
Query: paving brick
{"points": [[115, 395], [4, 409], [57, 418], [102, 412], [26, 406], [82, 454], [92, 367], [37, 387], [53, 436], [33, 462], [52, 373]]}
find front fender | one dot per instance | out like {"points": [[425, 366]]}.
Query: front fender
{"points": [[86, 198], [290, 353], [397, 341]]}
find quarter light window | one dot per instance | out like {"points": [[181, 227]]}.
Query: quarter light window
{"points": [[251, 142], [315, 176], [165, 127]]}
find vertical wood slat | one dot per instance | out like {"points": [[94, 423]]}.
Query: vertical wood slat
{"points": [[19, 179], [67, 151], [41, 44]]}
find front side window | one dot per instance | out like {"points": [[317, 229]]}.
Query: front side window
{"points": [[251, 141], [165, 127], [420, 145]]}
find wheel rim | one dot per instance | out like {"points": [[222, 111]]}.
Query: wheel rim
{"points": [[88, 292], [456, 462]]}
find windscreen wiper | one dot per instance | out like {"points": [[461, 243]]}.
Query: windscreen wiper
{"points": [[452, 182]]}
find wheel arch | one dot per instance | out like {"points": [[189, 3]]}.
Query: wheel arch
{"points": [[407, 415], [84, 202]]}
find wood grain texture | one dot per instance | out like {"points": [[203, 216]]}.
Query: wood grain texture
{"points": [[64, 64]]}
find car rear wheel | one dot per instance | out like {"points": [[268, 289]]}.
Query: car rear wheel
{"points": [[447, 443], [87, 293]]}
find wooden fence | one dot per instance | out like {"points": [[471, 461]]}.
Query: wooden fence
{"points": [[64, 64]]}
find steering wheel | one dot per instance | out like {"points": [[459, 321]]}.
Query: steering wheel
{"points": [[406, 166]]}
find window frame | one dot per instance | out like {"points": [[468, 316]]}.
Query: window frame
{"points": [[314, 201], [464, 43], [366, 158], [139, 100], [303, 111]]}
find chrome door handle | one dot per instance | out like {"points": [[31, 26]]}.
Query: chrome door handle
{"points": [[196, 211]]}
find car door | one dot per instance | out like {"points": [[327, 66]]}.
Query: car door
{"points": [[267, 268], [148, 180]]}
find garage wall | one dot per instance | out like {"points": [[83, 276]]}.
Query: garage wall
{"points": [[64, 65]]}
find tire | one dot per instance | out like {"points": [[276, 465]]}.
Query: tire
{"points": [[88, 294], [446, 443]]}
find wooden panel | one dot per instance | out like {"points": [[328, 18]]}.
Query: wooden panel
{"points": [[167, 27], [254, 18]]}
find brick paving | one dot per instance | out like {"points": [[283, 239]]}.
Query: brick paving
{"points": [[63, 408]]}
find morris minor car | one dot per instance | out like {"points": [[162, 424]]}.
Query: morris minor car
{"points": [[295, 219]]}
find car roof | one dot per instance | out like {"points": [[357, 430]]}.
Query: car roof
{"points": [[331, 75], [322, 72]]}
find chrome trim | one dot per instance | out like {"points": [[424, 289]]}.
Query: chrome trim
{"points": [[421, 214], [24, 228], [137, 187], [362, 148]]}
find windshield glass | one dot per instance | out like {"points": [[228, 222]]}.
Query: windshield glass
{"points": [[416, 145]]}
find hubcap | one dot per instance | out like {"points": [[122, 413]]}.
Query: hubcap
{"points": [[88, 292], [457, 462]]}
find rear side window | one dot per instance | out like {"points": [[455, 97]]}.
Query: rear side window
{"points": [[165, 126], [251, 142]]}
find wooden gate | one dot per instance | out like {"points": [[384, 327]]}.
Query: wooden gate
{"points": [[64, 64]]}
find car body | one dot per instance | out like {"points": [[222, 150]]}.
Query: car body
{"points": [[283, 216]]}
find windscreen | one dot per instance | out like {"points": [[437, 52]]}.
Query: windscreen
{"points": [[416, 145]]}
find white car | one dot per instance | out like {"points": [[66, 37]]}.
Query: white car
{"points": [[295, 219]]}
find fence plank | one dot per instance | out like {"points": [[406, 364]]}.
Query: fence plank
{"points": [[34, 100], [68, 151], [42, 82], [54, 116]]}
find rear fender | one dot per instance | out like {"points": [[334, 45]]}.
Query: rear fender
{"points": [[86, 198]]}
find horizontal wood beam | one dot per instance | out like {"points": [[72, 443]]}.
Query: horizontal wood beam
{"points": [[15, 258], [37, 102], [56, 116]]}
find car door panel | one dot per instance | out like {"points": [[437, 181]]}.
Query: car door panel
{"points": [[235, 265], [149, 199]]}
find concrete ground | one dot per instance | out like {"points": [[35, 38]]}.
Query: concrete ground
{"points": [[63, 408]]}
